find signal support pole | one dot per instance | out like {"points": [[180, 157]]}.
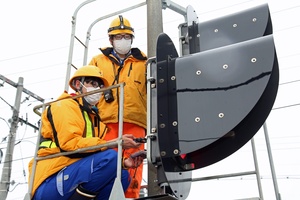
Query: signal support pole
{"points": [[154, 27], [6, 171]]}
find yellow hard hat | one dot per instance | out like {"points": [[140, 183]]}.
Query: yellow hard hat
{"points": [[120, 25], [87, 71]]}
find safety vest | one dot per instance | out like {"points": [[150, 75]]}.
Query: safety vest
{"points": [[48, 143]]}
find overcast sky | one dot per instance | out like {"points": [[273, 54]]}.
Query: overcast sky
{"points": [[34, 43]]}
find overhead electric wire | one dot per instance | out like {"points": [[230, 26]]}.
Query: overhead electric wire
{"points": [[32, 54]]}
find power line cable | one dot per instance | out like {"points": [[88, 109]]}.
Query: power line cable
{"points": [[31, 54], [287, 106], [211, 11], [289, 82], [23, 166]]}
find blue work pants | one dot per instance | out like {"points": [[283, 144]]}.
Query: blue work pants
{"points": [[95, 173]]}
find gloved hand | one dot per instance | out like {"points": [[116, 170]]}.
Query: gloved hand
{"points": [[142, 154], [135, 159]]}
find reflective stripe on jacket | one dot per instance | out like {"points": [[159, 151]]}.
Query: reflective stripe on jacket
{"points": [[48, 143], [133, 73], [72, 134]]}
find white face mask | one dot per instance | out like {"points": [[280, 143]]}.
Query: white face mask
{"points": [[122, 46], [92, 99]]}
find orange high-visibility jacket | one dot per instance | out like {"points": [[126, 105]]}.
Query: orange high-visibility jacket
{"points": [[133, 73], [71, 125]]}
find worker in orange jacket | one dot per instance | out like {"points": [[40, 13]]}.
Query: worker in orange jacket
{"points": [[123, 64], [70, 124]]}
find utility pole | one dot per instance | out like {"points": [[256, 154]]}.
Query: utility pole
{"points": [[7, 165], [154, 28], [23, 89], [6, 171]]}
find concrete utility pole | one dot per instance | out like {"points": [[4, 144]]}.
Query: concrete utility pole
{"points": [[6, 172], [7, 165], [24, 90]]}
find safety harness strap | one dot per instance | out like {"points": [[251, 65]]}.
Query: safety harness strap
{"points": [[50, 118], [48, 143]]}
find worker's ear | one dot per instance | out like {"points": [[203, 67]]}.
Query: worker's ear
{"points": [[111, 41], [77, 85]]}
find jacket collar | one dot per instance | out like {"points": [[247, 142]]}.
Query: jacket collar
{"points": [[135, 52]]}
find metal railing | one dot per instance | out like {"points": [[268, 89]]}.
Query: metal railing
{"points": [[116, 192]]}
